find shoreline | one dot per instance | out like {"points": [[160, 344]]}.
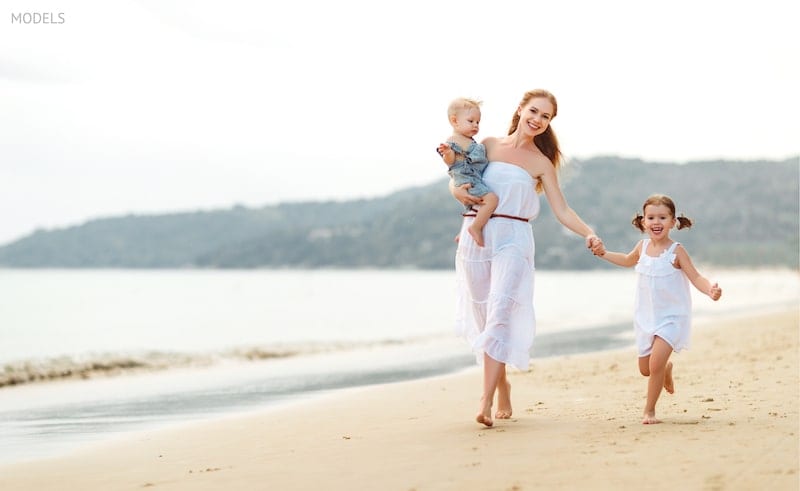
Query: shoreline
{"points": [[49, 419], [576, 424], [107, 365]]}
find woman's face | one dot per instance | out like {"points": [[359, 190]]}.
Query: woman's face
{"points": [[535, 116]]}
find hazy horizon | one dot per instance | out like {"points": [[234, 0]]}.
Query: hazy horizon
{"points": [[147, 106]]}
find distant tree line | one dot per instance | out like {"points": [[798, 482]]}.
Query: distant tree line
{"points": [[745, 214]]}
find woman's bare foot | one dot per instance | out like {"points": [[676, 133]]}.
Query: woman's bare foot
{"points": [[650, 419], [484, 416], [476, 234], [503, 401], [669, 384]]}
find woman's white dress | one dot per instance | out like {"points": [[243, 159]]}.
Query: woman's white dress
{"points": [[663, 301], [494, 311]]}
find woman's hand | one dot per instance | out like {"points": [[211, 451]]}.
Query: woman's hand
{"points": [[461, 194], [595, 243]]}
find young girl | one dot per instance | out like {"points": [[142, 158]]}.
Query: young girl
{"points": [[663, 304], [466, 160]]}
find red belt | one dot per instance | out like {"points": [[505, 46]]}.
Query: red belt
{"points": [[497, 215]]}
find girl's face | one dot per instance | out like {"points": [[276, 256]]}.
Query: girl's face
{"points": [[535, 116], [658, 220], [467, 122]]}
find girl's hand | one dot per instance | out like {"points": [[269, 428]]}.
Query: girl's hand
{"points": [[715, 292], [595, 243], [447, 153], [461, 194]]}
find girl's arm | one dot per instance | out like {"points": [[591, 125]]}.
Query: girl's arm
{"points": [[563, 212], [625, 260], [703, 284]]}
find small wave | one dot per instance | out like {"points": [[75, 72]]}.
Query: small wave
{"points": [[85, 367], [114, 364]]}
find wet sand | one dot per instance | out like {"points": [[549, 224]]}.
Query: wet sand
{"points": [[731, 424]]}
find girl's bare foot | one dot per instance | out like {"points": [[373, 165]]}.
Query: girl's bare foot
{"points": [[669, 384], [503, 401], [484, 416], [650, 419], [476, 234]]}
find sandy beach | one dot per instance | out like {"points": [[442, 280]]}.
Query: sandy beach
{"points": [[731, 424]]}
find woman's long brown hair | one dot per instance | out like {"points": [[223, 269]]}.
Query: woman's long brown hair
{"points": [[547, 142]]}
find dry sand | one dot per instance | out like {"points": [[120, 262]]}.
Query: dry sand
{"points": [[731, 424]]}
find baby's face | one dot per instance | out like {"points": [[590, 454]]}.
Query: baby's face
{"points": [[468, 122]]}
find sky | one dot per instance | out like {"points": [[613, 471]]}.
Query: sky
{"points": [[160, 106]]}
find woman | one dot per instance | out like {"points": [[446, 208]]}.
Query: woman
{"points": [[495, 299]]}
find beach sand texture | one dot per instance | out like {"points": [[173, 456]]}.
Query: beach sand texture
{"points": [[731, 424]]}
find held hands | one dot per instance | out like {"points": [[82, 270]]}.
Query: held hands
{"points": [[447, 153], [595, 243], [715, 292]]}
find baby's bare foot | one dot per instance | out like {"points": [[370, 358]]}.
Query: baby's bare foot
{"points": [[484, 415], [650, 419], [669, 384], [503, 401], [476, 234]]}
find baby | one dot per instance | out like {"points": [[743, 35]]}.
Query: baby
{"points": [[466, 160]]}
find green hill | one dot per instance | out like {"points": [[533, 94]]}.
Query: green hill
{"points": [[745, 214]]}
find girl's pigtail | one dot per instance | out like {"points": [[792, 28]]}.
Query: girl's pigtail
{"points": [[637, 222], [684, 222]]}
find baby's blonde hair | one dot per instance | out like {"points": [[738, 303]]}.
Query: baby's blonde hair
{"points": [[461, 103]]}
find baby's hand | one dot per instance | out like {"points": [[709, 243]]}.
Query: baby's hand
{"points": [[715, 292], [447, 153]]}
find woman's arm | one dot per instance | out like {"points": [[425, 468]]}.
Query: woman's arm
{"points": [[703, 284], [461, 194], [558, 204], [625, 260]]}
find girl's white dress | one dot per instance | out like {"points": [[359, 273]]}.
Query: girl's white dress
{"points": [[494, 310], [663, 301]]}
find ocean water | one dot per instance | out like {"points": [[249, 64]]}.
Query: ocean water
{"points": [[89, 354]]}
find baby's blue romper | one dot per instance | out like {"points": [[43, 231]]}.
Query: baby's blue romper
{"points": [[469, 167]]}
